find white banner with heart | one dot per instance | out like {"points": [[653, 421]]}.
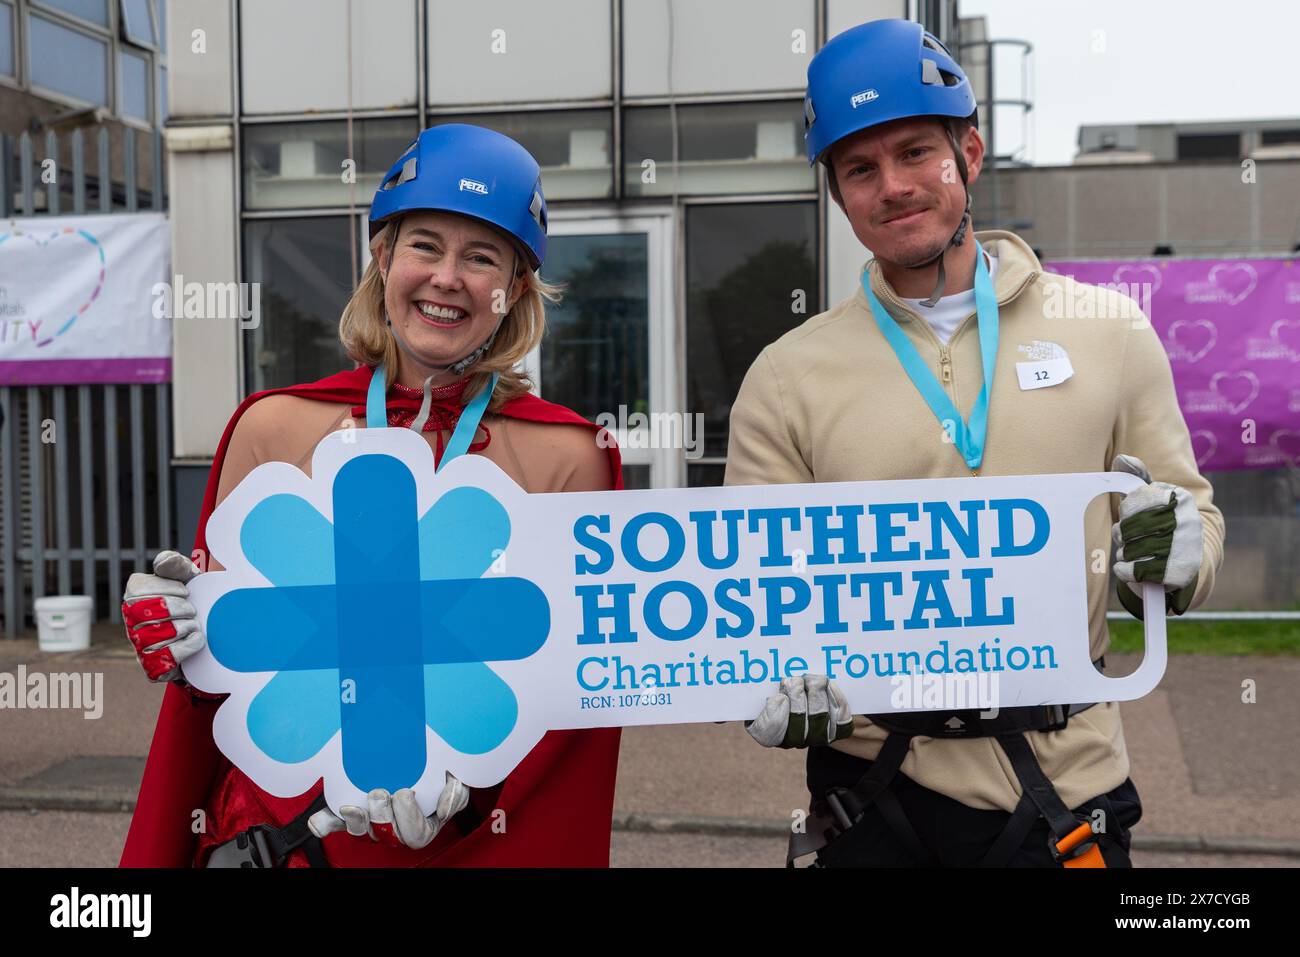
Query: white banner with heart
{"points": [[76, 299]]}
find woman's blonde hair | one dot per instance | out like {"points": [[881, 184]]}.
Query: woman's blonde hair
{"points": [[367, 339]]}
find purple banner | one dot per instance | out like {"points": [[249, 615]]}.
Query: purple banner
{"points": [[85, 371], [1231, 329]]}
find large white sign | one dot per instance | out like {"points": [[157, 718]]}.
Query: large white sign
{"points": [[77, 299], [377, 625]]}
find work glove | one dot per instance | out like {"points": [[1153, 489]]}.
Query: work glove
{"points": [[806, 710], [160, 621], [1157, 539], [394, 819]]}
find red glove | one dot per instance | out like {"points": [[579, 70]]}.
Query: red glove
{"points": [[160, 621]]}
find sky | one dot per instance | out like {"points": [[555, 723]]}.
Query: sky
{"points": [[1133, 61]]}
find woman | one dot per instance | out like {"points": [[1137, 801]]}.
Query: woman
{"points": [[449, 305]]}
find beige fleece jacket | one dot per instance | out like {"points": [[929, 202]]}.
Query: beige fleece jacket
{"points": [[830, 402]]}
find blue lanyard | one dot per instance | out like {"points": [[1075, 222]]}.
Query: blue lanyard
{"points": [[377, 414], [968, 440]]}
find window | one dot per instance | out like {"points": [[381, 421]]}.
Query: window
{"points": [[705, 475], [1209, 146], [303, 267], [8, 65], [722, 148], [137, 23], [96, 11], [133, 86], [571, 146], [722, 46], [749, 270], [478, 52], [291, 165], [294, 55], [67, 62], [1280, 137], [595, 352]]}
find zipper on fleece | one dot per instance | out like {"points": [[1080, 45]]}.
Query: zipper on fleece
{"points": [[945, 351]]}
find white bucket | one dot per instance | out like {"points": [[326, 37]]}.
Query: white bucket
{"points": [[63, 622]]}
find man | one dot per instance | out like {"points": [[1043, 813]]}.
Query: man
{"points": [[915, 377]]}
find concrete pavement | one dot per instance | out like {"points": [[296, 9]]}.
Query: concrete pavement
{"points": [[1216, 773]]}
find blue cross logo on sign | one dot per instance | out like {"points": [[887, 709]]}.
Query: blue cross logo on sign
{"points": [[378, 625]]}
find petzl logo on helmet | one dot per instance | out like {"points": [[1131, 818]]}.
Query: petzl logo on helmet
{"points": [[473, 186], [866, 96]]}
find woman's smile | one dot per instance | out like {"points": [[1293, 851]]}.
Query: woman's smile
{"points": [[440, 315]]}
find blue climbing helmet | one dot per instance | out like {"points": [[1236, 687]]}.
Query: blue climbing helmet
{"points": [[473, 171], [880, 71]]}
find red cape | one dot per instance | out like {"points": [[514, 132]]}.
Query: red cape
{"points": [[557, 804]]}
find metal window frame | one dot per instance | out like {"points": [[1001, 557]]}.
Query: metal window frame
{"points": [[110, 7], [160, 88], [666, 99], [539, 110], [150, 93], [704, 99], [667, 466], [312, 119], [239, 115], [242, 225], [671, 352], [426, 106], [237, 172], [325, 116], [84, 28], [711, 101], [113, 35], [532, 106], [239, 118], [16, 79], [156, 46], [764, 199]]}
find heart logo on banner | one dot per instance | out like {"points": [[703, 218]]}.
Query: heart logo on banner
{"points": [[1134, 275], [1287, 443], [65, 323], [1237, 280], [1238, 389], [1286, 333], [1184, 332], [1209, 445]]}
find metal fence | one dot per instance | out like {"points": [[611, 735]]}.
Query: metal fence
{"points": [[84, 469]]}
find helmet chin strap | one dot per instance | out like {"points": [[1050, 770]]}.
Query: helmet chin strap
{"points": [[958, 237], [456, 368]]}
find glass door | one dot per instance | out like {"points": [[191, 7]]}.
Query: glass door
{"points": [[609, 348]]}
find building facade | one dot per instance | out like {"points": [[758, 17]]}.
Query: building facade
{"points": [[687, 227], [686, 223]]}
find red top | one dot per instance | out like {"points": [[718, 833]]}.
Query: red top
{"points": [[554, 809]]}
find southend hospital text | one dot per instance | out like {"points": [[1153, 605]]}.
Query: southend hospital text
{"points": [[842, 600]]}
